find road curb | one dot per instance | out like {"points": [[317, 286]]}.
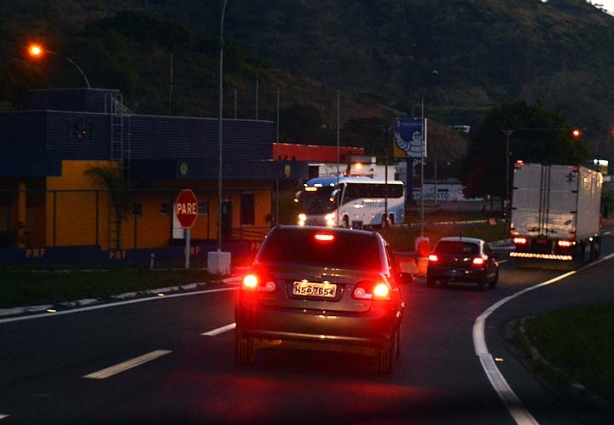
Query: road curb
{"points": [[18, 311]]}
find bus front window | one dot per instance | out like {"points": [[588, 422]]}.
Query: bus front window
{"points": [[317, 202]]}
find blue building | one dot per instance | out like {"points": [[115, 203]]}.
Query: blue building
{"points": [[78, 169]]}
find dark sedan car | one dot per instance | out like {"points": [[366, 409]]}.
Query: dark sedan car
{"points": [[461, 259], [329, 289]]}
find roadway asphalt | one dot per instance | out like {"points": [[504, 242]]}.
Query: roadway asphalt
{"points": [[581, 297]]}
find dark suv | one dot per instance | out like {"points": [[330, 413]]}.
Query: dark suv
{"points": [[329, 289], [461, 259]]}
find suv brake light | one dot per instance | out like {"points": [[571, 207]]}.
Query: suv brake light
{"points": [[478, 261], [324, 237]]}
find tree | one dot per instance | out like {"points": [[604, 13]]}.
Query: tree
{"points": [[514, 131], [304, 124], [120, 195]]}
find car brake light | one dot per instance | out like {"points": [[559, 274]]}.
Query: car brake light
{"points": [[478, 261], [564, 244], [250, 281], [324, 237], [381, 291], [371, 291], [433, 258], [520, 241], [253, 282]]}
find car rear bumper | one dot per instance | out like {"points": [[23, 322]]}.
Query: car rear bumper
{"points": [[461, 275], [320, 330]]}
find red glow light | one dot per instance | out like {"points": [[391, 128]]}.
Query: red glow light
{"points": [[324, 237], [250, 281]]}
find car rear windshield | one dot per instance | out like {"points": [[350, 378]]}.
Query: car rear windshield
{"points": [[457, 247], [345, 250]]}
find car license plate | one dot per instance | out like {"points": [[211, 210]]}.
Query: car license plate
{"points": [[313, 289]]}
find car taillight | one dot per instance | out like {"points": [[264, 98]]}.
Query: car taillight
{"points": [[254, 282], [520, 241], [433, 258], [564, 244], [479, 261], [372, 291]]}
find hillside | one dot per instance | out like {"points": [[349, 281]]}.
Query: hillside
{"points": [[385, 58]]}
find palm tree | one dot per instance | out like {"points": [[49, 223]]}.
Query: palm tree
{"points": [[120, 195]]}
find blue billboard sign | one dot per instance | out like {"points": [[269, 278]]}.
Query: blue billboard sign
{"points": [[410, 136]]}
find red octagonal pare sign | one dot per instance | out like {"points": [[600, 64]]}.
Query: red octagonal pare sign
{"points": [[186, 208]]}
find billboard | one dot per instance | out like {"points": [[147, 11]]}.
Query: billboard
{"points": [[410, 136]]}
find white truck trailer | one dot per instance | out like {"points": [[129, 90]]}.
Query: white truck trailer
{"points": [[555, 216]]}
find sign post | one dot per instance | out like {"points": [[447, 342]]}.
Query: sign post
{"points": [[186, 211]]}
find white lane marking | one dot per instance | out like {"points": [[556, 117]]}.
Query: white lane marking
{"points": [[129, 364], [507, 395], [108, 305], [221, 330]]}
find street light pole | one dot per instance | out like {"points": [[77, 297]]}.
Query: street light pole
{"points": [[387, 157], [277, 159], [37, 51], [507, 133], [338, 149], [220, 144], [422, 158]]}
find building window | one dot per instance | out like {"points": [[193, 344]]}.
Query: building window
{"points": [[313, 171]]}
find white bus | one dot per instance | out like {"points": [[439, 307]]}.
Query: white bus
{"points": [[356, 202]]}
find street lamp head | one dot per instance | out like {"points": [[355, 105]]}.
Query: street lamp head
{"points": [[35, 50]]}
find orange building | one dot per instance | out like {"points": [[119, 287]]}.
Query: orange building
{"points": [[81, 173]]}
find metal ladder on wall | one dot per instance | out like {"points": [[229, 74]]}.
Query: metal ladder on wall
{"points": [[120, 152]]}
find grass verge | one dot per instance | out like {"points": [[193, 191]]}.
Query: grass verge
{"points": [[403, 238], [578, 345], [26, 287]]}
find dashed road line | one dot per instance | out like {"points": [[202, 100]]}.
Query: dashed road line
{"points": [[221, 330], [129, 364]]}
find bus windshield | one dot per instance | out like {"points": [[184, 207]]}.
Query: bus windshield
{"points": [[317, 200]]}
